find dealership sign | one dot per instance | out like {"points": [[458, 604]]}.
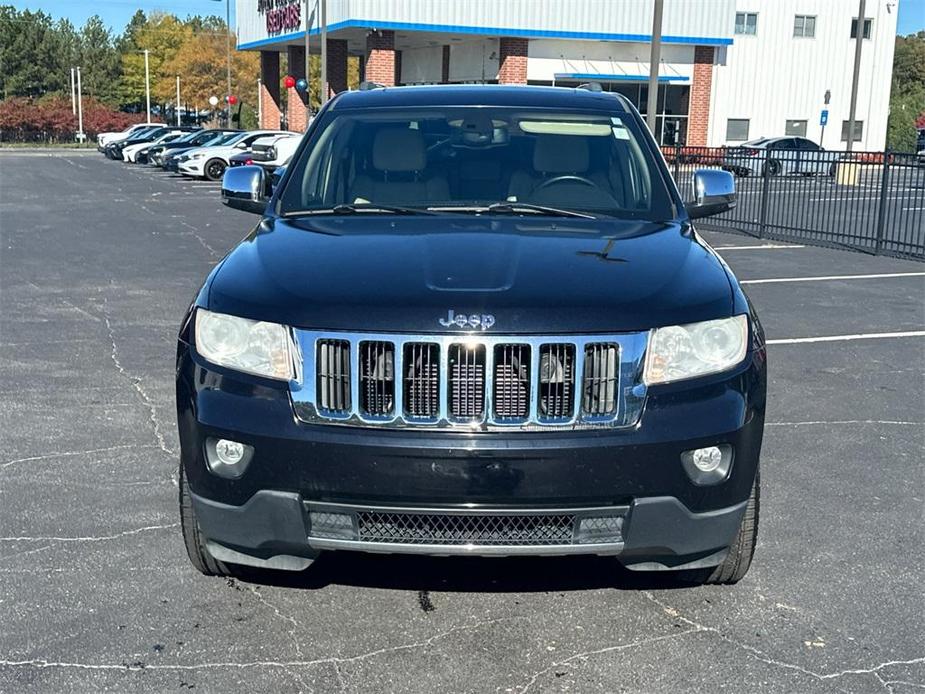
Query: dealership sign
{"points": [[281, 15]]}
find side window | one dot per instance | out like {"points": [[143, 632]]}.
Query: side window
{"points": [[868, 24], [737, 129], [808, 145], [795, 128]]}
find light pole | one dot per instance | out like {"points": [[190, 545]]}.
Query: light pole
{"points": [[859, 36], [80, 110], [73, 94], [147, 86], [227, 55], [654, 60], [324, 52], [179, 122]]}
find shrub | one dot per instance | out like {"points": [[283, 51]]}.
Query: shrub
{"points": [[51, 120]]}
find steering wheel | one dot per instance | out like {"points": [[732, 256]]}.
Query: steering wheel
{"points": [[562, 179]]}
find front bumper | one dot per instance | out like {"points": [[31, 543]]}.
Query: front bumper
{"points": [[192, 167], [265, 517]]}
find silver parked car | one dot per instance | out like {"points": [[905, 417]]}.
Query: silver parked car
{"points": [[778, 156]]}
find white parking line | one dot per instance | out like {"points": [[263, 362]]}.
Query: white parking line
{"points": [[883, 275], [846, 338], [768, 246]]}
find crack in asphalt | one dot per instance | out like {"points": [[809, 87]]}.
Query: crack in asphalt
{"points": [[763, 657], [281, 664], [65, 454], [293, 633], [136, 384], [194, 232], [608, 649], [91, 538]]}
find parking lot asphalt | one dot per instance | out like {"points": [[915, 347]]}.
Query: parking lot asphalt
{"points": [[97, 264]]}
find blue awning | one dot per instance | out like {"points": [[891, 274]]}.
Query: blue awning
{"points": [[603, 77]]}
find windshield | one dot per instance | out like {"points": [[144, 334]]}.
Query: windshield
{"points": [[220, 139], [235, 138], [187, 137], [467, 158]]}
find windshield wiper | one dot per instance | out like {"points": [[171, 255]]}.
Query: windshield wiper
{"points": [[515, 208], [345, 208]]}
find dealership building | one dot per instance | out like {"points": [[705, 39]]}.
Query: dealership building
{"points": [[731, 70]]}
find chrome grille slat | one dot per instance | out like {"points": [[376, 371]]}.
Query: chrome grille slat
{"points": [[470, 380]]}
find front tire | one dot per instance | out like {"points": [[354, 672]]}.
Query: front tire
{"points": [[195, 543], [741, 551], [214, 169], [772, 168]]}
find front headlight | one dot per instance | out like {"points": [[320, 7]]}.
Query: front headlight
{"points": [[686, 351], [255, 347], [198, 155]]}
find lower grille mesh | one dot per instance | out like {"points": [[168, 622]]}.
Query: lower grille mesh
{"points": [[464, 529]]}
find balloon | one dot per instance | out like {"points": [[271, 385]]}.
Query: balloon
{"points": [[213, 101], [289, 81], [301, 85], [232, 99]]}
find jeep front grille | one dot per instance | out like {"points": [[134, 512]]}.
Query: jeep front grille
{"points": [[377, 377], [475, 381], [600, 379], [334, 375], [422, 380], [512, 382], [466, 381]]}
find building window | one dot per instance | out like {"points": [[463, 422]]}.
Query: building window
{"points": [[867, 27], [737, 129], [804, 26], [858, 130], [795, 128], [746, 23]]}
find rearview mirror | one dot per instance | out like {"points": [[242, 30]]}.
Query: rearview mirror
{"points": [[244, 188], [714, 193]]}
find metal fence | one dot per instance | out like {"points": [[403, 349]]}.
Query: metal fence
{"points": [[872, 202]]}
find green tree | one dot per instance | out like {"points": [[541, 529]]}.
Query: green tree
{"points": [[162, 35], [30, 60], [101, 64], [907, 95]]}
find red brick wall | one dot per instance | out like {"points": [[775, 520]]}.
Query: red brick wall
{"points": [[702, 85], [337, 66], [296, 113], [380, 58], [512, 62], [269, 90]]}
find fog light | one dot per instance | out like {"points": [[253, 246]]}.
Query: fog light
{"points": [[228, 458], [229, 452], [708, 465], [707, 459]]}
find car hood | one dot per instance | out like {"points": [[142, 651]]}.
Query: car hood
{"points": [[533, 276]]}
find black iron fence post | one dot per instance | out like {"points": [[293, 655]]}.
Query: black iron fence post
{"points": [[765, 188], [881, 209], [677, 164]]}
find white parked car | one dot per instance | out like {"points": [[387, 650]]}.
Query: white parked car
{"points": [[129, 153], [104, 139], [778, 156], [275, 151], [211, 162]]}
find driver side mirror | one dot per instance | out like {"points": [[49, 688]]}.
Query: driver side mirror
{"points": [[714, 193], [245, 188]]}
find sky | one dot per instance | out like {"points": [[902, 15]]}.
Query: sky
{"points": [[116, 13]]}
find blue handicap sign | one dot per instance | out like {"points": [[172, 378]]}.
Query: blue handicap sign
{"points": [[824, 117]]}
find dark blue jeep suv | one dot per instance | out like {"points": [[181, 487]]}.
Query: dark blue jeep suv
{"points": [[473, 320]]}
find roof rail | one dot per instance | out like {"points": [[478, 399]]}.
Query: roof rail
{"points": [[591, 86], [367, 86]]}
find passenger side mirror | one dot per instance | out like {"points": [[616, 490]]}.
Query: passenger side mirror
{"points": [[714, 193], [244, 188]]}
